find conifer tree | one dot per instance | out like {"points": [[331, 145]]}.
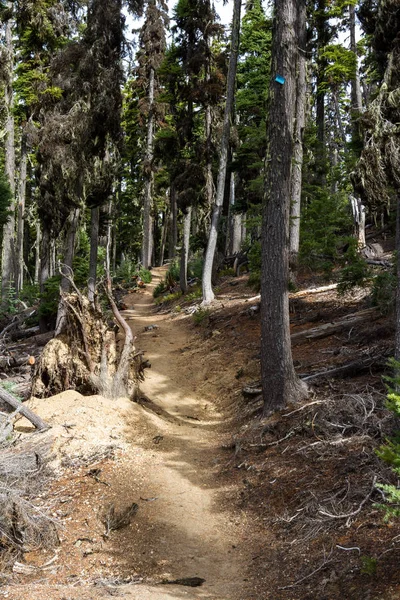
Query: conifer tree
{"points": [[279, 381]]}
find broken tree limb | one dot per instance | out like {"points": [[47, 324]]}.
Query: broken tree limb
{"points": [[119, 386], [23, 410], [328, 329]]}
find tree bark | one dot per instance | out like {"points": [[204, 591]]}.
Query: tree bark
{"points": [[147, 246], [279, 381], [301, 88], [94, 246], [185, 250], [8, 250], [208, 294], [21, 213]]}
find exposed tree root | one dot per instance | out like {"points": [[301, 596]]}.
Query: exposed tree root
{"points": [[85, 356]]}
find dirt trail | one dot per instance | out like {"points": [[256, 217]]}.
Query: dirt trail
{"points": [[194, 535]]}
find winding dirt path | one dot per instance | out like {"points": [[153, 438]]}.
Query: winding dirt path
{"points": [[192, 534]]}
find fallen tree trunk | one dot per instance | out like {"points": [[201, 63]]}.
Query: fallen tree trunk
{"points": [[21, 334], [23, 410], [351, 369], [328, 329]]}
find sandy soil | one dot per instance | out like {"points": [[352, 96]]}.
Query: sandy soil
{"points": [[163, 454]]}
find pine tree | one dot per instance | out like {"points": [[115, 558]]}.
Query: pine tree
{"points": [[279, 381]]}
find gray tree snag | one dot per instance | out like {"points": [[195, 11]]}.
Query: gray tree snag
{"points": [[8, 249], [280, 383], [94, 246], [208, 294], [301, 88], [185, 250]]}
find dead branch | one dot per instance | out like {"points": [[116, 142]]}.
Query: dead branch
{"points": [[326, 562], [121, 375], [24, 410], [354, 513]]}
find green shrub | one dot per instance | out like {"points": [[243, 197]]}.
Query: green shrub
{"points": [[383, 294], [145, 275], [159, 289], [356, 272], [168, 298], [200, 315], [195, 294], [390, 451], [195, 267], [173, 271]]}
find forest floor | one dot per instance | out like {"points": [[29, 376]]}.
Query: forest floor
{"points": [[190, 481]]}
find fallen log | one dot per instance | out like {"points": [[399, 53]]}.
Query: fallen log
{"points": [[301, 293], [328, 329], [315, 290], [351, 369], [21, 334], [23, 410], [10, 361]]}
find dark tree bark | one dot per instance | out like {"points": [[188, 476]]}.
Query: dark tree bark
{"points": [[208, 294], [147, 246], [279, 381]]}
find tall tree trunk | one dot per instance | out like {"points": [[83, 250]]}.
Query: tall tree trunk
{"points": [[94, 246], [147, 245], [173, 233], [208, 294], [8, 266], [279, 381], [356, 132], [301, 95], [397, 335], [44, 270], [164, 233], [231, 214], [185, 250], [21, 213], [66, 268], [322, 41], [356, 97], [37, 252]]}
